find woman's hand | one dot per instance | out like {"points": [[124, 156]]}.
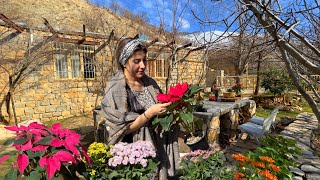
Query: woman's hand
{"points": [[156, 109]]}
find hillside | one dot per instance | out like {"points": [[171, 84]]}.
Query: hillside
{"points": [[70, 15]]}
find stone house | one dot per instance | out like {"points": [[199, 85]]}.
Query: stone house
{"points": [[74, 70]]}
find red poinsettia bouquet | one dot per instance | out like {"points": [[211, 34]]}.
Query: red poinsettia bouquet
{"points": [[183, 104], [44, 152]]}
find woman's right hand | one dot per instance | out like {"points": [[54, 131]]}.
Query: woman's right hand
{"points": [[157, 109]]}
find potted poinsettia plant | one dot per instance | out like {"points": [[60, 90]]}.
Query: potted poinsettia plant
{"points": [[45, 152], [184, 102]]}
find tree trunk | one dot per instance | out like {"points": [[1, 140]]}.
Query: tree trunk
{"points": [[297, 83], [256, 91]]}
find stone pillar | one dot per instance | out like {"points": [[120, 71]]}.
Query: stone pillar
{"points": [[213, 132]]}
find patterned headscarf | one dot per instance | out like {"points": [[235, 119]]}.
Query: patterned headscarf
{"points": [[128, 50]]}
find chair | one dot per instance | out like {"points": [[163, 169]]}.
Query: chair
{"points": [[257, 130], [259, 120]]}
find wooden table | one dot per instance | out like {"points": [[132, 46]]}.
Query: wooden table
{"points": [[223, 119]]}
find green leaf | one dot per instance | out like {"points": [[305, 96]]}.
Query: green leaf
{"points": [[156, 121], [45, 140], [34, 154], [34, 175], [21, 141], [166, 121], [12, 174], [9, 141], [187, 116]]}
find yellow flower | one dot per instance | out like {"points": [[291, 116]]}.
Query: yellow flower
{"points": [[93, 172]]}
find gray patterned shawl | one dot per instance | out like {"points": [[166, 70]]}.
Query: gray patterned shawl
{"points": [[115, 109]]}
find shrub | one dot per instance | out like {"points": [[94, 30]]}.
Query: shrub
{"points": [[276, 81], [44, 152], [203, 165]]}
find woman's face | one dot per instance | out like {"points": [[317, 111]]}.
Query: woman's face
{"points": [[136, 65]]}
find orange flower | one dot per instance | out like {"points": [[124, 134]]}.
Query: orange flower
{"points": [[267, 174], [267, 159], [258, 164], [238, 176], [240, 157], [275, 168]]}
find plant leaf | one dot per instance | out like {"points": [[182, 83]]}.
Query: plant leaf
{"points": [[9, 141], [166, 121], [12, 174], [21, 141], [34, 175], [23, 162], [187, 116], [45, 140]]}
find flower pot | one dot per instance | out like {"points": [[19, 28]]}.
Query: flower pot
{"points": [[198, 141], [229, 94]]}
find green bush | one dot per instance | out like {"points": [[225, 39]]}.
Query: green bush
{"points": [[276, 81], [203, 165]]}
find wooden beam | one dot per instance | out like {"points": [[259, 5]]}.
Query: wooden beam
{"points": [[76, 41], [9, 37], [10, 23], [46, 22], [84, 35], [105, 43]]}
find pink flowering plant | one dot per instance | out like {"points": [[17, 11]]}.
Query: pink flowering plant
{"points": [[180, 111], [132, 161], [216, 90], [45, 152], [237, 88], [203, 164]]}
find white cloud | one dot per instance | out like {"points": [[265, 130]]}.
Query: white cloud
{"points": [[184, 23]]}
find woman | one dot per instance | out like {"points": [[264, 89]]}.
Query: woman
{"points": [[129, 104]]}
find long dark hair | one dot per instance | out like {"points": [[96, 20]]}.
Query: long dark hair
{"points": [[120, 47]]}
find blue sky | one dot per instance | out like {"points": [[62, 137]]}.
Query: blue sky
{"points": [[156, 10], [162, 9]]}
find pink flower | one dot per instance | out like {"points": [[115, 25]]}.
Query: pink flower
{"points": [[5, 157], [23, 162]]}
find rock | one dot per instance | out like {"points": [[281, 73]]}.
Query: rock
{"points": [[296, 171], [297, 178], [310, 168], [313, 176]]}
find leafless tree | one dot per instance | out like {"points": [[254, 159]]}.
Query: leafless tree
{"points": [[21, 58], [294, 29]]}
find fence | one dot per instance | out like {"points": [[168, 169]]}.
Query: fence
{"points": [[247, 81]]}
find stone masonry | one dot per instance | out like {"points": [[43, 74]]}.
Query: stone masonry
{"points": [[300, 130]]}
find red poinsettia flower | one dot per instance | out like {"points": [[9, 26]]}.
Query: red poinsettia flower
{"points": [[179, 89], [164, 98], [23, 162], [53, 163]]}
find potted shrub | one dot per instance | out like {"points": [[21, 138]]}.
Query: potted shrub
{"points": [[184, 102], [45, 152], [229, 94], [237, 88]]}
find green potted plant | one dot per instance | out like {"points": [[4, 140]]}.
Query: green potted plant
{"points": [[237, 88], [184, 103]]}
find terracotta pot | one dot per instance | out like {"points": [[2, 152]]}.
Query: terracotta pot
{"points": [[229, 94]]}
